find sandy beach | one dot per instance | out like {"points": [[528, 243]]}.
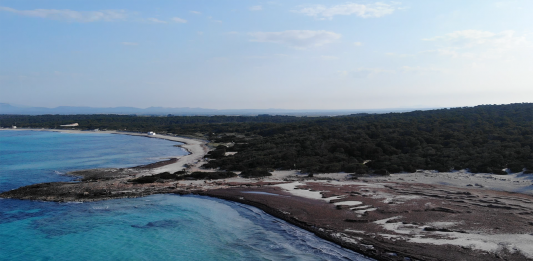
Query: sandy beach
{"points": [[196, 148], [411, 216]]}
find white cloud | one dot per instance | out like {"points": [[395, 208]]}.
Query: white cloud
{"points": [[179, 20], [155, 20], [130, 43], [296, 38], [256, 8], [195, 12], [362, 10], [479, 44], [71, 15], [471, 38], [358, 44]]}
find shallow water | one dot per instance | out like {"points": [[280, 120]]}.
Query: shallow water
{"points": [[158, 227], [29, 157]]}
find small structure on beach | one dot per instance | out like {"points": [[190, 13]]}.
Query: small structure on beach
{"points": [[151, 133], [13, 127]]}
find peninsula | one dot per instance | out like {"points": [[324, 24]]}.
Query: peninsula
{"points": [[385, 217]]}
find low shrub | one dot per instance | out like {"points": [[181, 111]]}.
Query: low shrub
{"points": [[255, 173]]}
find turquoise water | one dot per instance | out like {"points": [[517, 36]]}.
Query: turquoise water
{"points": [[29, 157], [158, 227]]}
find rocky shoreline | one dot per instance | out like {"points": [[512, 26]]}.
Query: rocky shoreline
{"points": [[382, 220], [362, 234], [400, 217]]}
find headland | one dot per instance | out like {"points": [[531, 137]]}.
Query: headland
{"points": [[417, 216]]}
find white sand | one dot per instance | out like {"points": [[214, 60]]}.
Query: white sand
{"points": [[363, 211], [474, 240], [291, 188], [521, 183], [348, 203]]}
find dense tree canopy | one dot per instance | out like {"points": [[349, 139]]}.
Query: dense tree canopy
{"points": [[486, 138]]}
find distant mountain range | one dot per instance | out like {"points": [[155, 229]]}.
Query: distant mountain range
{"points": [[6, 108]]}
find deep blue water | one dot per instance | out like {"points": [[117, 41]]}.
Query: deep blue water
{"points": [[158, 227]]}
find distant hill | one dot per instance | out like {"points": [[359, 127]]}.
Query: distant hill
{"points": [[6, 108]]}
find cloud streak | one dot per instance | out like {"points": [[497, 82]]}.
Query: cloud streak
{"points": [[473, 38], [179, 20], [300, 39], [71, 15], [322, 12], [479, 44]]}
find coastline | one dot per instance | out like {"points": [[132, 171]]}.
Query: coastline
{"points": [[196, 148], [387, 218]]}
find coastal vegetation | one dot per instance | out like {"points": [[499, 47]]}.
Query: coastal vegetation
{"points": [[183, 175], [486, 138], [255, 173]]}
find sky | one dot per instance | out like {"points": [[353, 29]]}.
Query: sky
{"points": [[248, 54]]}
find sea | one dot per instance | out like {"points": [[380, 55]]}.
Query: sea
{"points": [[157, 227]]}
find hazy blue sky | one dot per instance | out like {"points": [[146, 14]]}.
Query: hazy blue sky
{"points": [[317, 54]]}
